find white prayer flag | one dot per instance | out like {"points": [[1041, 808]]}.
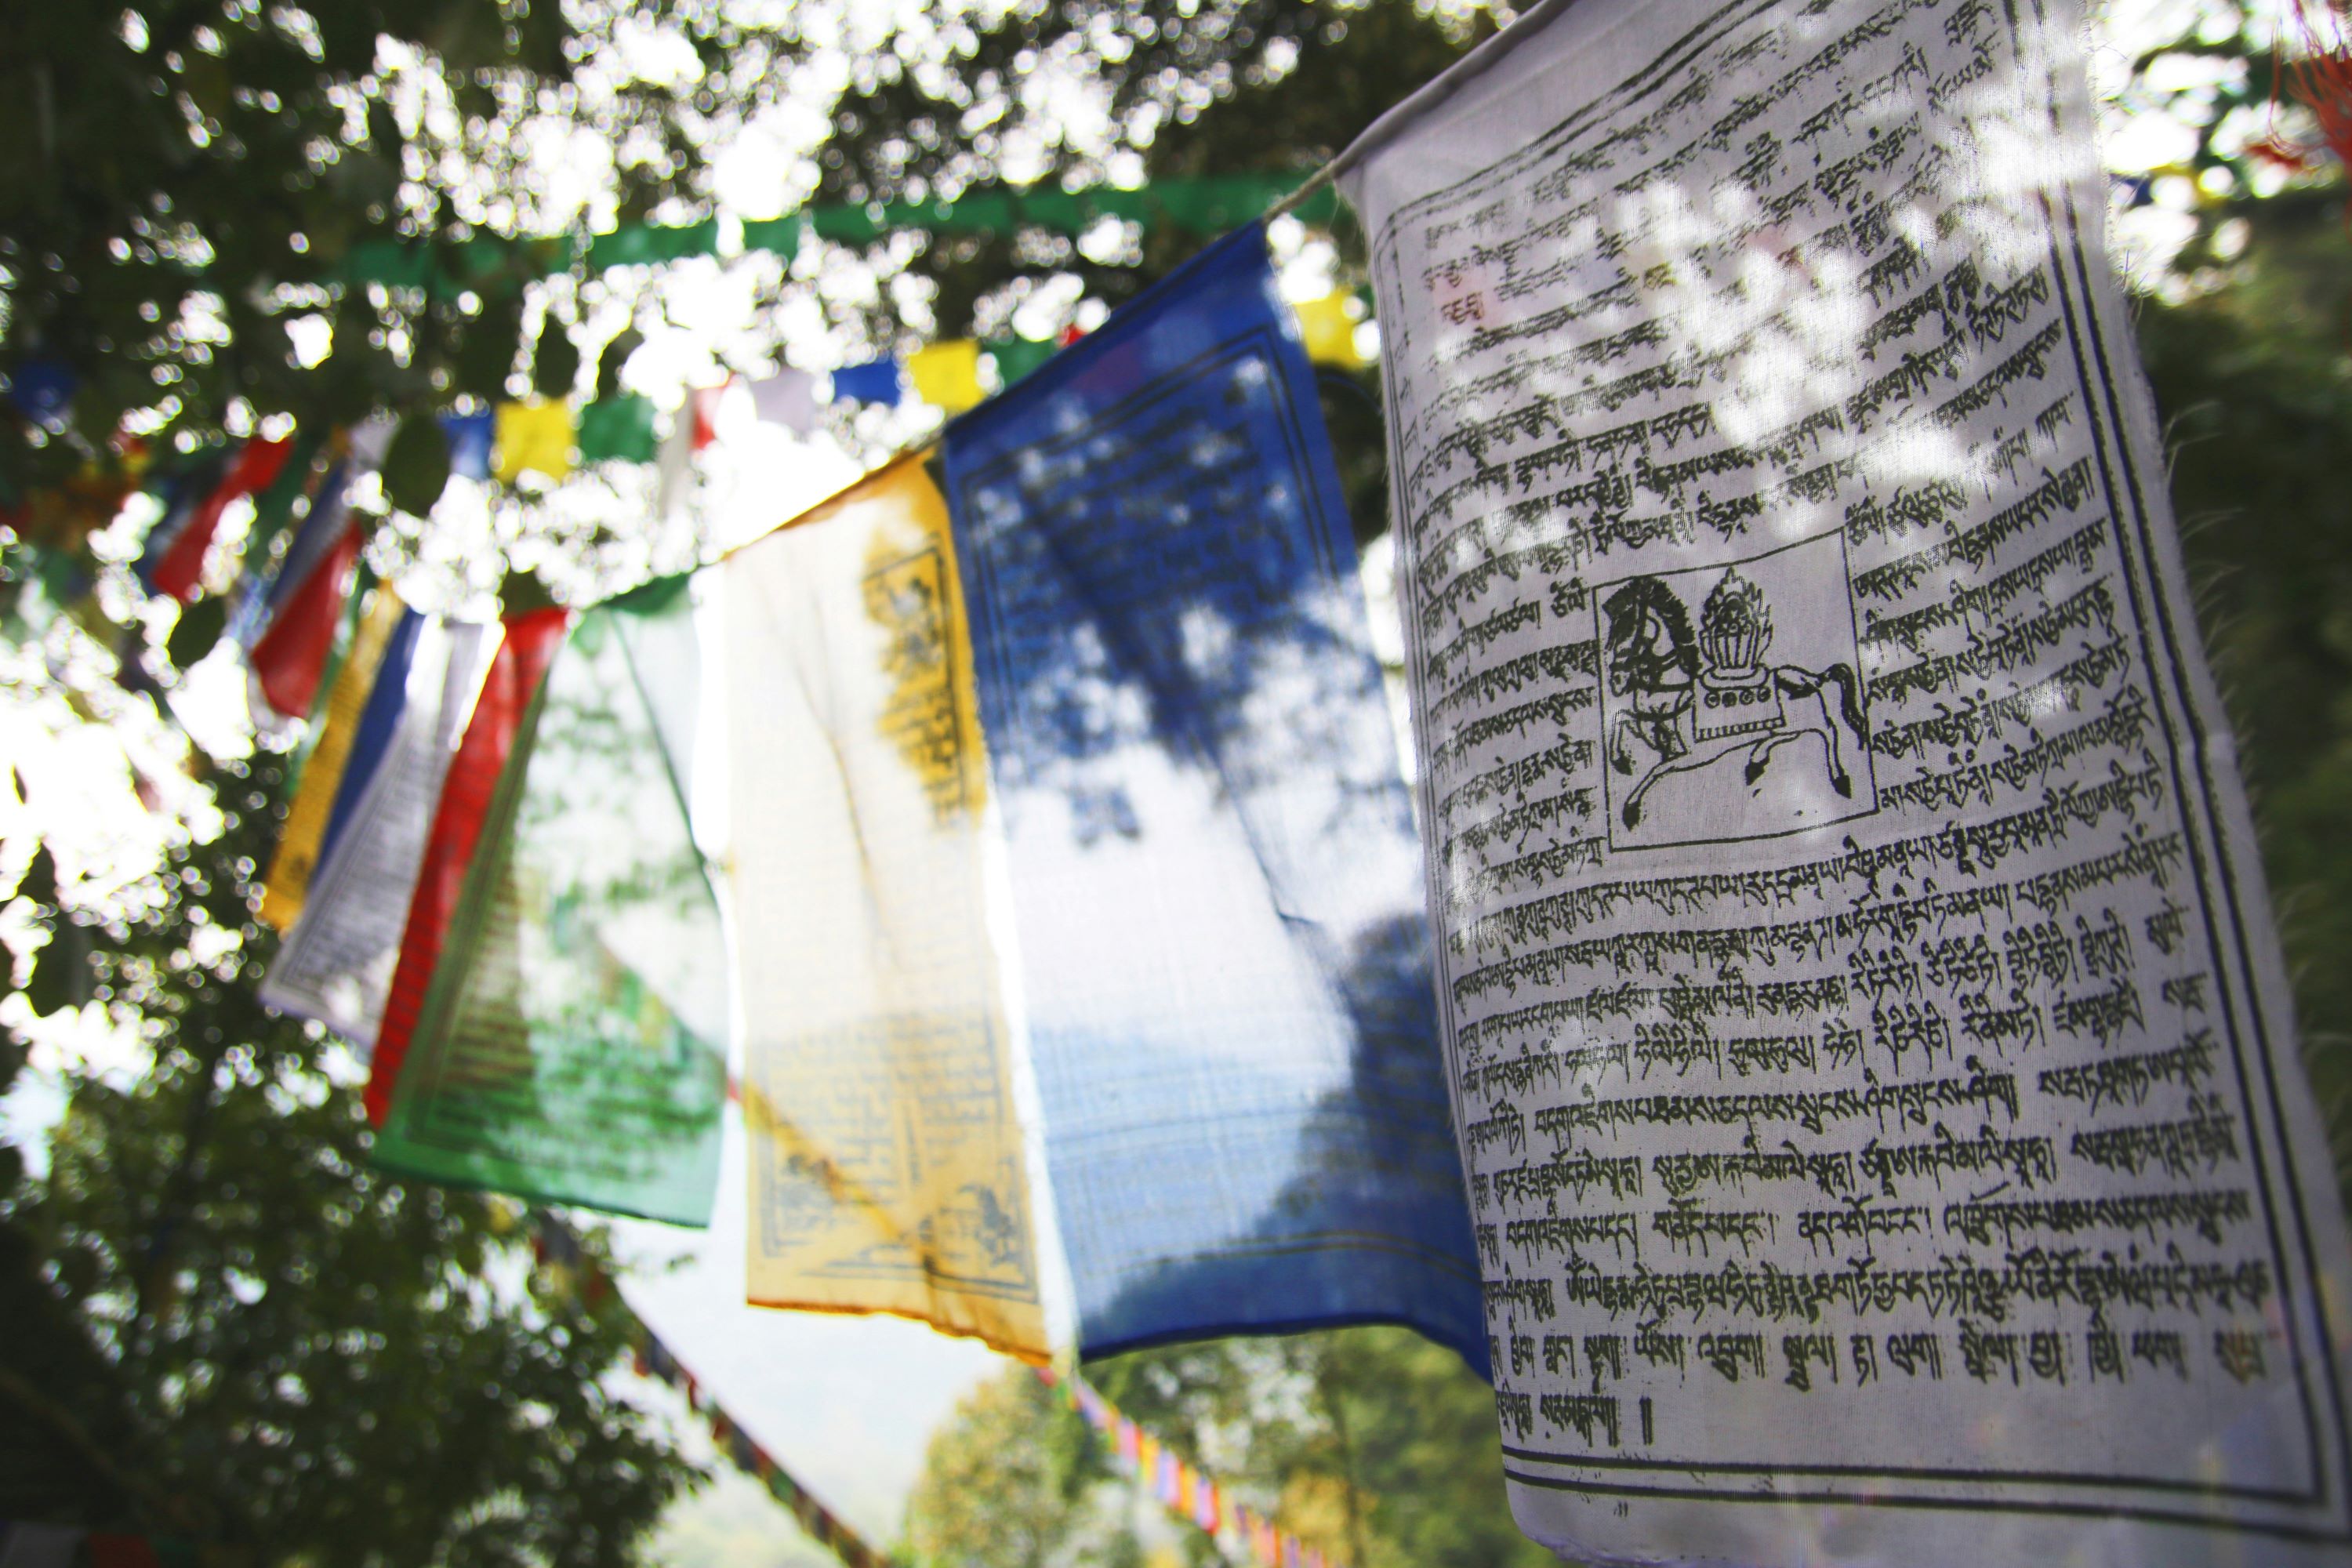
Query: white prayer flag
{"points": [[1871, 1054], [787, 398]]}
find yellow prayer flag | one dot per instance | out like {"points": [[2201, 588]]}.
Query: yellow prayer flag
{"points": [[297, 856], [948, 374], [887, 1168], [1329, 332], [534, 437]]}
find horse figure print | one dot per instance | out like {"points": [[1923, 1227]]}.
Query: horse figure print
{"points": [[1705, 738]]}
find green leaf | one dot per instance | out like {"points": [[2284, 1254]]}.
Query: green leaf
{"points": [[554, 363], [487, 354], [416, 463], [40, 882], [616, 355], [198, 629], [61, 971]]}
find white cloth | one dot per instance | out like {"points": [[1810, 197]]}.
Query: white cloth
{"points": [[39, 1545], [1871, 1053], [787, 398]]}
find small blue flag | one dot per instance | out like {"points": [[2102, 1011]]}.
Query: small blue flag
{"points": [[876, 381], [469, 436]]}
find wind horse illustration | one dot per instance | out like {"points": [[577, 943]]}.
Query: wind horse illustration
{"points": [[1692, 700]]}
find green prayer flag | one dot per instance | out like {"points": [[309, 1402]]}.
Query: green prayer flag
{"points": [[635, 243], [1016, 357], [570, 1048], [780, 235], [851, 225], [618, 427]]}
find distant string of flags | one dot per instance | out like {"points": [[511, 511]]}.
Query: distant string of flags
{"points": [[567, 1268], [1192, 1496]]}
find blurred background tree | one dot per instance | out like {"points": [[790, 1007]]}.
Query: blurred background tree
{"points": [[224, 1326]]}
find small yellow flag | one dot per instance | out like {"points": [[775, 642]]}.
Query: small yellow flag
{"points": [[1329, 332], [534, 437], [947, 374]]}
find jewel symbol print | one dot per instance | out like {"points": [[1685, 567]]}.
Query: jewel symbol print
{"points": [[1746, 719]]}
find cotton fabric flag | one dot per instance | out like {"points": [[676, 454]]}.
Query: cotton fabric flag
{"points": [[1017, 357], [534, 438], [876, 381], [508, 685], [1853, 964], [187, 496], [39, 1545], [572, 1047], [1214, 876], [1328, 332], [887, 1164], [618, 429], [787, 398], [263, 596], [947, 374], [290, 657], [470, 439], [313, 804], [378, 726], [178, 568], [336, 966]]}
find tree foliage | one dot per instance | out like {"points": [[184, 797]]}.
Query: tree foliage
{"points": [[232, 1329]]}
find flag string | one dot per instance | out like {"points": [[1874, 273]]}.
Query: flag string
{"points": [[1188, 1494], [557, 1249]]}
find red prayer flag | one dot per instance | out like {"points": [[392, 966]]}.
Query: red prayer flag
{"points": [[121, 1552], [703, 403], [292, 655], [177, 573], [523, 656]]}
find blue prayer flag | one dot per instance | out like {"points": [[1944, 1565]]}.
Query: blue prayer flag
{"points": [[379, 721], [1216, 884], [469, 436], [878, 381]]}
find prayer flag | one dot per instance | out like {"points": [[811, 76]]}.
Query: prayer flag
{"points": [[379, 722], [43, 389], [787, 398], [876, 381], [947, 374], [641, 244], [300, 480], [1328, 332], [886, 1166], [533, 438], [121, 1552], [572, 1047], [264, 595], [470, 437], [39, 1545], [1215, 883], [178, 569], [187, 497], [336, 966], [1816, 725], [779, 235], [1017, 357], [618, 429], [290, 657], [307, 816], [507, 687]]}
